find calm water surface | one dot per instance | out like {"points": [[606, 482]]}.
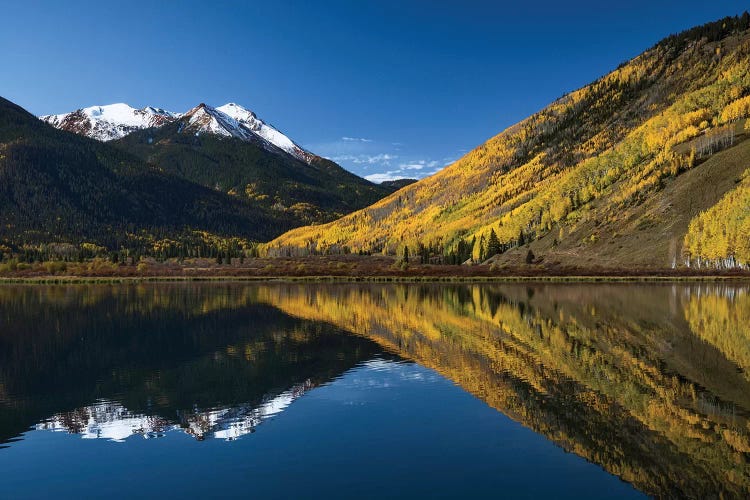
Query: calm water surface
{"points": [[290, 391]]}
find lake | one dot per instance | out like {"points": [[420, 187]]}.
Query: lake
{"points": [[363, 390]]}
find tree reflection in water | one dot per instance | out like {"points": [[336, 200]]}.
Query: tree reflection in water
{"points": [[652, 382]]}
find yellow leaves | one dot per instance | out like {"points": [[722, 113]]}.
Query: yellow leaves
{"points": [[684, 135], [736, 110], [255, 192], [739, 442], [673, 127], [735, 73], [723, 322], [615, 138], [93, 248], [723, 231]]}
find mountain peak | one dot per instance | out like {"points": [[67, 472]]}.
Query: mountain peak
{"points": [[249, 120], [238, 112], [111, 121], [206, 119], [202, 107], [114, 121]]}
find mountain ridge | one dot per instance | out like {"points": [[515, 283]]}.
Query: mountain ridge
{"points": [[115, 121], [229, 149], [250, 168], [563, 180], [109, 122], [60, 187]]}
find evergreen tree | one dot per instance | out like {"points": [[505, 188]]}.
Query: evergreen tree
{"points": [[423, 254], [493, 244], [530, 257]]}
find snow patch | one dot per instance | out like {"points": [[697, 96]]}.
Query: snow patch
{"points": [[250, 121], [114, 121]]}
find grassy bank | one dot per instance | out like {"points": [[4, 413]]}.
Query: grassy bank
{"points": [[351, 268], [62, 280]]}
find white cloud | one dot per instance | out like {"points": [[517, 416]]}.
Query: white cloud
{"points": [[385, 176], [382, 159], [419, 165], [409, 170], [355, 139]]}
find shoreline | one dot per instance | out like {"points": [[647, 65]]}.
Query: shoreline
{"points": [[655, 278]]}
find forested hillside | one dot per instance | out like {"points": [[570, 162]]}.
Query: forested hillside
{"points": [[609, 175], [722, 233], [320, 191], [65, 194]]}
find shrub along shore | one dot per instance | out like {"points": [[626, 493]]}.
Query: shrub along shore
{"points": [[350, 268]]}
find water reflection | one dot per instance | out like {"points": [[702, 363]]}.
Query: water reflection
{"points": [[113, 362], [649, 381], [110, 420]]}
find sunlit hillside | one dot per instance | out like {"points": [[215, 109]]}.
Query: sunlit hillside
{"points": [[722, 233], [599, 177]]}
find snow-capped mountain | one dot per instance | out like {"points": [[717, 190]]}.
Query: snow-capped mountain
{"points": [[110, 420], [204, 119], [250, 121], [114, 121], [107, 123]]}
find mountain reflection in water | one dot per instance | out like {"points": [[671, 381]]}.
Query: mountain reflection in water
{"points": [[115, 361], [651, 382], [110, 420]]}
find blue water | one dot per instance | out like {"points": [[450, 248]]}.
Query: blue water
{"points": [[384, 429], [374, 391]]}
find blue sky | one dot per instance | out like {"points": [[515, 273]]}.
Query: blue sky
{"points": [[386, 88]]}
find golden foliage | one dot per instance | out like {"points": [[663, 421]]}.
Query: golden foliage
{"points": [[721, 235], [618, 138], [736, 110]]}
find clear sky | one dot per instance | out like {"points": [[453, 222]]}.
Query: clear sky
{"points": [[387, 88]]}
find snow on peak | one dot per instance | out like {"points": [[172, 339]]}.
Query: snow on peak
{"points": [[110, 420], [115, 121], [110, 122], [249, 120], [205, 119]]}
